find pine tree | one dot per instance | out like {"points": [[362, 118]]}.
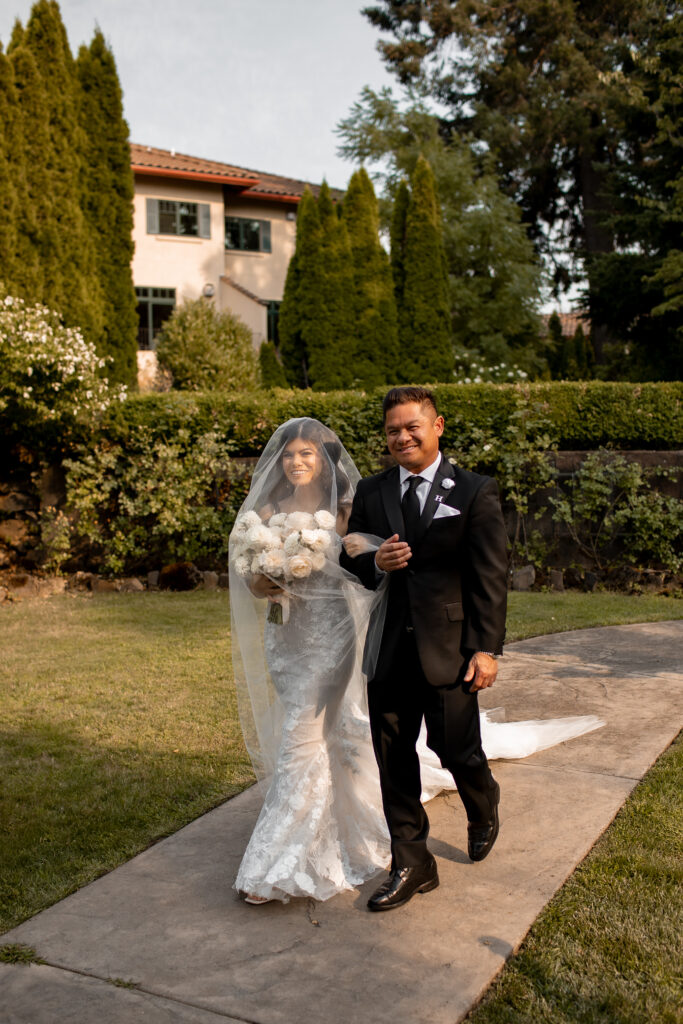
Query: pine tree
{"points": [[9, 212], [374, 308], [331, 351], [108, 203], [427, 355], [398, 261], [300, 313], [67, 251]]}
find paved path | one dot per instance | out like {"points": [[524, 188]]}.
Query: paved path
{"points": [[169, 924]]}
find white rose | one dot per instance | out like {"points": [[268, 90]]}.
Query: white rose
{"points": [[316, 540], [278, 519], [256, 564], [242, 565], [258, 537], [300, 521], [245, 521], [299, 567], [325, 520], [317, 561], [292, 544], [272, 562]]}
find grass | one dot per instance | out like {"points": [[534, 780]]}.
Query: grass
{"points": [[608, 947], [119, 725]]}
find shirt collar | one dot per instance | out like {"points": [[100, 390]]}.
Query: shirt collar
{"points": [[427, 474]]}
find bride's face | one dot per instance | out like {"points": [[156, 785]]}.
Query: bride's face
{"points": [[301, 462]]}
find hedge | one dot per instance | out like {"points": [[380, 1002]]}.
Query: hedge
{"points": [[576, 415]]}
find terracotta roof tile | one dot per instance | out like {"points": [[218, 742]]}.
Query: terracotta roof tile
{"points": [[257, 183]]}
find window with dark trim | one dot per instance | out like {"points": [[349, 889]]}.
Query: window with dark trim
{"points": [[176, 217], [155, 305], [272, 320], [246, 235]]}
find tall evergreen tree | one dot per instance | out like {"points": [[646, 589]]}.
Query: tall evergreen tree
{"points": [[301, 310], [544, 84], [331, 351], [9, 212], [375, 359], [67, 250], [108, 203], [427, 354], [36, 225], [398, 245]]}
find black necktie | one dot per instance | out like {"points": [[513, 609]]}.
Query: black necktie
{"points": [[410, 507]]}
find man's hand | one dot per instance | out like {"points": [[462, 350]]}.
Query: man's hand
{"points": [[392, 554], [262, 586], [483, 669]]}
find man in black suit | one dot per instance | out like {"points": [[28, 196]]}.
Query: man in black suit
{"points": [[444, 626]]}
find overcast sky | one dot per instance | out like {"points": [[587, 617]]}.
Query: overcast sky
{"points": [[257, 83]]}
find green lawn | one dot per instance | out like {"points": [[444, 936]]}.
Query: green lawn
{"points": [[119, 726]]}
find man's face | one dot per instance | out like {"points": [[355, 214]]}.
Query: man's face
{"points": [[413, 431]]}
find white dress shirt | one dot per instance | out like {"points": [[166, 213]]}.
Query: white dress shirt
{"points": [[422, 490]]}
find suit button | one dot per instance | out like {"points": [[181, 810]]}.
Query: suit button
{"points": [[411, 572]]}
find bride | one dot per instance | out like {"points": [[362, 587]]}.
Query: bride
{"points": [[299, 628]]}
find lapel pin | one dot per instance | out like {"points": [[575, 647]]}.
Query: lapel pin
{"points": [[439, 497]]}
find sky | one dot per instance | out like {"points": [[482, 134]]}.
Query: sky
{"points": [[257, 83]]}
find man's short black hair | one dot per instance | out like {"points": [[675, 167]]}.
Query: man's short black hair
{"points": [[401, 396]]}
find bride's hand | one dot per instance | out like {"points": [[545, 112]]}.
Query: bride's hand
{"points": [[355, 545], [262, 586]]}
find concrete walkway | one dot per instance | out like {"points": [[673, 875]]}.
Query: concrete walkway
{"points": [[165, 940]]}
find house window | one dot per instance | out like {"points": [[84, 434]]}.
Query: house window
{"points": [[273, 315], [155, 305], [171, 217], [247, 235]]}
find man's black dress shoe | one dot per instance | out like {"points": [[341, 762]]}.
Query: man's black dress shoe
{"points": [[403, 883], [481, 837]]}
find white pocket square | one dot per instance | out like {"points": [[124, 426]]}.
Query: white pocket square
{"points": [[446, 510]]}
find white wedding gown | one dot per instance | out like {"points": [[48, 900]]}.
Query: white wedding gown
{"points": [[321, 829]]}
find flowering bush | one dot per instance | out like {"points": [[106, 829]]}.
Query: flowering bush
{"points": [[470, 368], [154, 501], [51, 386]]}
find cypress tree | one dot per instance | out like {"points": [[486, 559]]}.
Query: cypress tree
{"points": [[427, 354], [374, 308], [300, 313], [581, 353], [331, 351], [36, 226], [272, 371], [555, 346], [108, 203], [8, 193], [67, 251], [398, 255]]}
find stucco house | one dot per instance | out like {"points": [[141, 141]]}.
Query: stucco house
{"points": [[206, 228]]}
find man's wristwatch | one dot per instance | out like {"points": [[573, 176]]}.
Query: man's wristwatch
{"points": [[489, 653]]}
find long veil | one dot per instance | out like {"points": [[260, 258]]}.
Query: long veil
{"points": [[298, 550]]}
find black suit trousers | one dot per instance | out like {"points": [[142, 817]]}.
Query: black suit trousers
{"points": [[397, 704]]}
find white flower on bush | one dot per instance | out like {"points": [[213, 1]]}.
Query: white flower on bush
{"points": [[300, 521], [325, 520], [66, 384], [298, 567], [316, 540]]}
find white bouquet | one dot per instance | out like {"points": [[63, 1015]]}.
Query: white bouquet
{"points": [[290, 546]]}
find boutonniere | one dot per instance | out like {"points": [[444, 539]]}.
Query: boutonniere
{"points": [[446, 483]]}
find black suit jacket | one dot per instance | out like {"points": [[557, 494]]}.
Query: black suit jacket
{"points": [[454, 590]]}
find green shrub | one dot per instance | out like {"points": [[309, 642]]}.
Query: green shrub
{"points": [[51, 387], [613, 513], [204, 348], [575, 415], [154, 501]]}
